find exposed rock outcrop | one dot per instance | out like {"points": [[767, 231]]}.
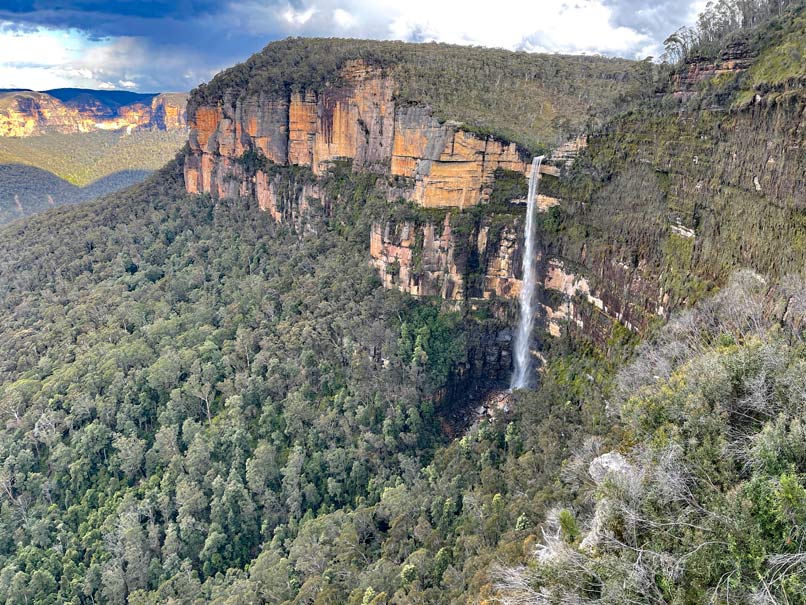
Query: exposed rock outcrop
{"points": [[735, 59], [621, 237], [358, 120], [434, 260], [28, 113]]}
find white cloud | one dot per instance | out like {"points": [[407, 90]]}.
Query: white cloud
{"points": [[34, 48], [41, 58], [298, 17], [585, 26], [343, 19]]}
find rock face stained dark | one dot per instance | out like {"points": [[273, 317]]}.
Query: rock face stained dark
{"points": [[642, 216]]}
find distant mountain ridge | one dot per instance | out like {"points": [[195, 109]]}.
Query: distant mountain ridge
{"points": [[26, 113]]}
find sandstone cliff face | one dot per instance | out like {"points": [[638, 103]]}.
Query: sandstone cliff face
{"points": [[169, 111], [357, 120], [28, 113], [685, 84], [665, 221], [734, 60], [433, 260], [449, 261]]}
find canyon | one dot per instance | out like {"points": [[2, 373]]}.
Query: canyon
{"points": [[278, 370], [639, 218], [25, 113], [432, 164]]}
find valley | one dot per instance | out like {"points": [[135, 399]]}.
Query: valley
{"points": [[275, 370], [25, 113], [75, 145]]}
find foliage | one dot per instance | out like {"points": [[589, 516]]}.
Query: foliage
{"points": [[535, 100], [724, 23], [83, 158], [698, 507], [253, 160], [219, 388], [780, 64]]}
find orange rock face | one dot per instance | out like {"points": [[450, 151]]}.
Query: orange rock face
{"points": [[465, 165], [499, 277], [357, 120], [28, 113], [436, 272], [302, 121], [169, 111], [31, 113]]}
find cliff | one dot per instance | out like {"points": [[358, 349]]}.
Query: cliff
{"points": [[433, 260], [29, 113], [427, 116], [696, 73], [650, 211], [439, 164], [664, 204]]}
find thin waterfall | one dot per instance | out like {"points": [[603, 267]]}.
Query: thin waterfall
{"points": [[522, 375]]}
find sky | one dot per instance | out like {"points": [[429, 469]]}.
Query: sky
{"points": [[161, 45]]}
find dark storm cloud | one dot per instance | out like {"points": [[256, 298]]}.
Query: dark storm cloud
{"points": [[203, 35], [159, 21], [156, 9], [173, 45], [201, 31]]}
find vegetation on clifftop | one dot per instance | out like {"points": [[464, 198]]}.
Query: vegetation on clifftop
{"points": [[532, 99]]}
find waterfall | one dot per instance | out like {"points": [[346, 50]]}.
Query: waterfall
{"points": [[521, 376]]}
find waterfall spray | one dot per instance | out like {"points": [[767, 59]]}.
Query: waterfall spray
{"points": [[521, 376]]}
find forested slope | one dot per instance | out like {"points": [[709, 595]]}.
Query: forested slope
{"points": [[702, 495], [26, 190], [194, 383], [202, 402]]}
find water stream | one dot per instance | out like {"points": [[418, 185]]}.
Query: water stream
{"points": [[524, 367]]}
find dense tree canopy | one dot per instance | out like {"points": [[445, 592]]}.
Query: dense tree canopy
{"points": [[201, 405]]}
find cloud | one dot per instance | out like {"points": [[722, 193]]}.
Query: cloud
{"points": [[656, 19], [156, 45], [343, 19]]}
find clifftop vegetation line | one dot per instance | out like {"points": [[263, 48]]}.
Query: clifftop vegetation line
{"points": [[262, 377], [534, 100]]}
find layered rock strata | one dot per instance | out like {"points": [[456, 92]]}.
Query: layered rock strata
{"points": [[442, 165], [27, 113], [433, 260]]}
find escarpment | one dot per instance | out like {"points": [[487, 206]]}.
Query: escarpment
{"points": [[28, 113], [439, 164], [661, 208], [640, 217]]}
